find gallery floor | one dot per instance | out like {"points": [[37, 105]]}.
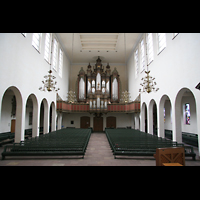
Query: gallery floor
{"points": [[98, 153]]}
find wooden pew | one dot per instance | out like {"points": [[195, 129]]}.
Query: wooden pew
{"points": [[64, 142], [170, 155]]}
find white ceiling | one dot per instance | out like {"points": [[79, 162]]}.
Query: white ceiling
{"points": [[86, 47]]}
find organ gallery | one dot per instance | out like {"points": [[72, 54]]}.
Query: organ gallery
{"points": [[98, 87]]}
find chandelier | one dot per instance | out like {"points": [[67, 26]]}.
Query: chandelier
{"points": [[49, 84], [71, 97], [125, 97], [148, 84]]}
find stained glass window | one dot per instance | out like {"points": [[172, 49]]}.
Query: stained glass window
{"points": [[187, 113]]}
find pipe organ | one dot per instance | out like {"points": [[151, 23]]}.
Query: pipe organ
{"points": [[97, 87]]}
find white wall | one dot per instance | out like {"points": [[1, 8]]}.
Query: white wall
{"points": [[176, 67], [23, 67]]}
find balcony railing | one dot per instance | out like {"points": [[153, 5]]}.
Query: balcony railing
{"points": [[132, 107]]}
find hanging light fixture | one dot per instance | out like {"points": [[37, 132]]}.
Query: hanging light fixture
{"points": [[125, 97], [148, 84], [49, 84], [71, 96]]}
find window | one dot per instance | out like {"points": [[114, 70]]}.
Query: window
{"points": [[164, 114], [55, 54], [149, 48], [24, 34], [161, 41], [47, 49], [36, 40], [60, 63], [142, 56], [136, 63], [187, 113]]}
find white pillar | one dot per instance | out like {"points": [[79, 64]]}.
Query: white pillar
{"points": [[136, 117], [142, 118], [53, 122], [20, 122], [36, 118], [198, 120], [46, 119], [160, 113], [176, 123], [59, 121], [150, 119]]}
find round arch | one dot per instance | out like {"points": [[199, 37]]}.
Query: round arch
{"points": [[44, 116], [144, 123], [152, 116], [52, 116], [162, 104], [16, 118], [35, 114], [184, 95]]}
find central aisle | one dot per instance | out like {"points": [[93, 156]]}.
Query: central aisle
{"points": [[99, 153], [98, 150]]}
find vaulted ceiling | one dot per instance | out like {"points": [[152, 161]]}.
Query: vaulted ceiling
{"points": [[86, 47]]}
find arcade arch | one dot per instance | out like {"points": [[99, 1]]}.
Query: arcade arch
{"points": [[144, 123], [164, 115], [31, 119], [184, 96], [12, 116], [52, 117], [152, 117], [44, 117]]}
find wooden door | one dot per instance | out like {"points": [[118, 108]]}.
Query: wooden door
{"points": [[98, 124], [12, 126], [85, 122], [111, 122]]}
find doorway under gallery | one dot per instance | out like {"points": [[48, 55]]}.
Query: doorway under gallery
{"points": [[98, 124], [111, 122], [85, 122]]}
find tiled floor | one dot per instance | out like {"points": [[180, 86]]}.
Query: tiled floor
{"points": [[98, 153]]}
